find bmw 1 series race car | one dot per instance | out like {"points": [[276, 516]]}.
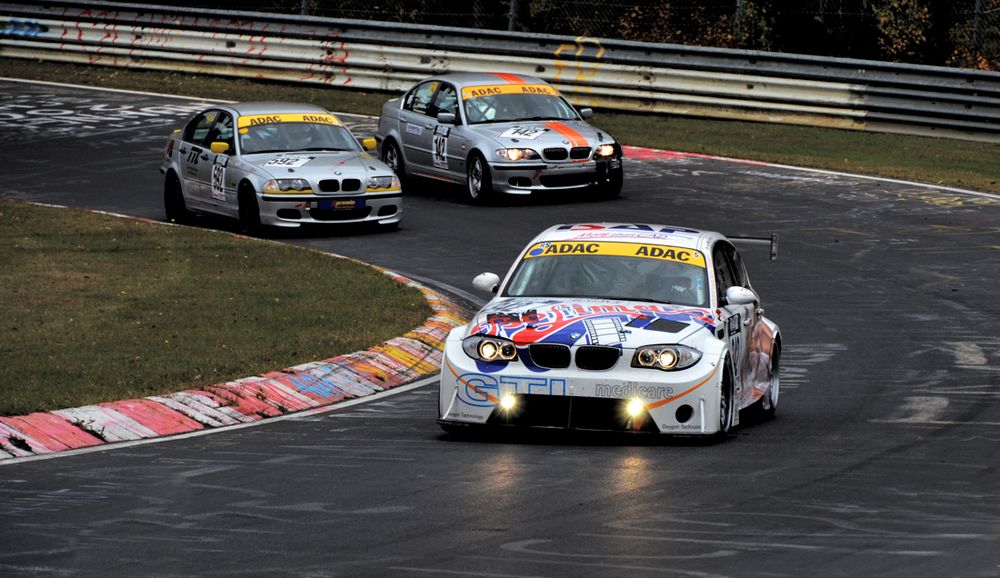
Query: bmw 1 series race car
{"points": [[276, 164], [615, 327], [497, 133]]}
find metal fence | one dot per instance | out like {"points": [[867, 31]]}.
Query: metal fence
{"points": [[612, 74], [964, 33]]}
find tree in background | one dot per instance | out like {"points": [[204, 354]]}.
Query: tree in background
{"points": [[904, 29]]}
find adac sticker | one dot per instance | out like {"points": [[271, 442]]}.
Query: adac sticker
{"points": [[643, 250], [255, 119], [495, 89]]}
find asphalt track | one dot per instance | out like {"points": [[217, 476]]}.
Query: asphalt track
{"points": [[882, 460]]}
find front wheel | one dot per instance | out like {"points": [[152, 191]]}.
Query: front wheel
{"points": [[479, 181], [249, 212], [727, 402], [612, 187]]}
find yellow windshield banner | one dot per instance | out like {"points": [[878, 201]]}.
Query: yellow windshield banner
{"points": [[255, 119], [642, 250], [494, 89]]}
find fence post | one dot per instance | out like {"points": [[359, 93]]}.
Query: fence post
{"points": [[512, 16], [975, 33]]}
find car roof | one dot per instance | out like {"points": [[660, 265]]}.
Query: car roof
{"points": [[248, 108], [461, 79], [631, 233]]}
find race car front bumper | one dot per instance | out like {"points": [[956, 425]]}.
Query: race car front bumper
{"points": [[286, 211], [676, 402], [526, 177]]}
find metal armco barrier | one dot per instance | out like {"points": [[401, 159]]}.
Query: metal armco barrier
{"points": [[611, 74]]}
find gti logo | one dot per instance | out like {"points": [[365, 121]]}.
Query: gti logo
{"points": [[480, 390]]}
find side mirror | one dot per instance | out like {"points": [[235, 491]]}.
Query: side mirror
{"points": [[740, 296], [369, 143], [446, 118], [486, 282], [219, 147], [586, 113]]}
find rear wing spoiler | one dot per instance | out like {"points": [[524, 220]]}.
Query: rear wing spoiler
{"points": [[772, 241]]}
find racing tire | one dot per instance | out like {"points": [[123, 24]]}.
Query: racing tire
{"points": [[765, 407], [173, 201], [727, 401], [478, 180], [612, 187], [392, 157], [249, 212]]}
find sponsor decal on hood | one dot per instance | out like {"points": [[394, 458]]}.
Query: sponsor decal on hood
{"points": [[588, 322]]}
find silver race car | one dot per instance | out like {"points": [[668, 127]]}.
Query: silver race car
{"points": [[497, 133], [276, 164]]}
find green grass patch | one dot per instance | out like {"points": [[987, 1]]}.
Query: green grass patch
{"points": [[946, 162], [98, 308]]}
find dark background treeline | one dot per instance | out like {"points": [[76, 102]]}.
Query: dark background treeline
{"points": [[963, 33]]}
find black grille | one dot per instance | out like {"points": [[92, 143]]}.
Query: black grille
{"points": [[579, 153], [340, 215], [351, 185], [555, 154], [329, 185], [567, 412], [549, 355], [573, 180], [597, 357]]}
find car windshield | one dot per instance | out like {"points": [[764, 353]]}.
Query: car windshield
{"points": [[515, 103], [280, 137], [605, 275]]}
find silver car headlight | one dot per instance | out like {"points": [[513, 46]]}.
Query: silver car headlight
{"points": [[605, 150], [517, 154], [287, 185], [665, 357], [383, 182], [487, 348]]}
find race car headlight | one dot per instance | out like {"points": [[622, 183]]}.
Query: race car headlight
{"points": [[486, 348], [517, 154], [666, 357], [605, 150], [285, 185], [383, 182]]}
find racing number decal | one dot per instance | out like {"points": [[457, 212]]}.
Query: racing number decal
{"points": [[440, 153], [218, 180], [193, 155], [734, 333]]}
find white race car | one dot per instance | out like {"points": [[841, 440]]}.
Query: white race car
{"points": [[615, 327]]}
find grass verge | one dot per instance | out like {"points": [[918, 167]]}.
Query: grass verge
{"points": [[98, 308], [939, 161]]}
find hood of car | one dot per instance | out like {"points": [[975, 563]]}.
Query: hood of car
{"points": [[609, 322], [542, 134], [316, 165]]}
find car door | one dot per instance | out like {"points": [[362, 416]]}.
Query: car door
{"points": [[194, 156], [416, 126], [737, 320], [450, 144], [213, 171]]}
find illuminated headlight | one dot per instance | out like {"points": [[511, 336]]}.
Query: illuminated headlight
{"points": [[508, 402], [666, 357], [635, 407], [283, 185], [384, 182], [486, 348], [605, 150], [517, 154]]}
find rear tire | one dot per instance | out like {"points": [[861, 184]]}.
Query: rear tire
{"points": [[392, 157], [479, 180], [249, 211], [173, 201]]}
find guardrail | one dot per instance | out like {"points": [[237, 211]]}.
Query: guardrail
{"points": [[611, 74]]}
